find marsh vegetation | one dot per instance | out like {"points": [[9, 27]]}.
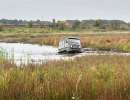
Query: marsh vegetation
{"points": [[92, 78], [86, 78]]}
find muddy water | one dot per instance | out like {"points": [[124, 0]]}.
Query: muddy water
{"points": [[31, 53]]}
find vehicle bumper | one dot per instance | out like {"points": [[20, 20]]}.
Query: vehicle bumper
{"points": [[74, 50], [70, 50]]}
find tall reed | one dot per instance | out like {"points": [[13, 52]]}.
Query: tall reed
{"points": [[87, 78]]}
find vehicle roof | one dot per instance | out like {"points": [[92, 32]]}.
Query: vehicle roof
{"points": [[71, 38]]}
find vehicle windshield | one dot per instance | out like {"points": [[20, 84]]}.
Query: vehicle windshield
{"points": [[77, 41]]}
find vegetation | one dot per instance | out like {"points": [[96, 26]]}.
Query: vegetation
{"points": [[1, 28], [119, 42], [70, 25], [91, 78], [30, 24], [86, 78]]}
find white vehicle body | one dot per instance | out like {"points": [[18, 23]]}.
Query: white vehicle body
{"points": [[69, 44]]}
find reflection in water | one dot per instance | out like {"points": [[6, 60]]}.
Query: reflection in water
{"points": [[32, 53]]}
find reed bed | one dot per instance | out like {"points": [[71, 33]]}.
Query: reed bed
{"points": [[87, 78], [106, 41], [119, 42]]}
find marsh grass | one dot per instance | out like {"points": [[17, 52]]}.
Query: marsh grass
{"points": [[117, 42], [107, 40], [87, 78]]}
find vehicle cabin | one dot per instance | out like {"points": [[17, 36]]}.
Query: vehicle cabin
{"points": [[69, 45]]}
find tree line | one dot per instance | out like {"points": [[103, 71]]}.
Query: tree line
{"points": [[70, 24]]}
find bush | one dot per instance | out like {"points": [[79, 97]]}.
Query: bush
{"points": [[1, 28]]}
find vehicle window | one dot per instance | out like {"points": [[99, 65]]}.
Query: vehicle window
{"points": [[74, 41]]}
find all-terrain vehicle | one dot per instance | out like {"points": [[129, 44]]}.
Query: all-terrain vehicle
{"points": [[69, 45]]}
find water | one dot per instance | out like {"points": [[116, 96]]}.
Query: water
{"points": [[31, 53]]}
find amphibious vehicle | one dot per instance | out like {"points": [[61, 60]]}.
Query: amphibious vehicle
{"points": [[69, 45]]}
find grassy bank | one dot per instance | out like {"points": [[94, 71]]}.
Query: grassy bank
{"points": [[87, 78], [114, 41], [119, 40]]}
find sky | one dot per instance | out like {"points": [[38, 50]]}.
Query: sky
{"points": [[65, 9]]}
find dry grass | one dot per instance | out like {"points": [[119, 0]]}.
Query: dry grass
{"points": [[119, 42], [87, 78], [103, 40]]}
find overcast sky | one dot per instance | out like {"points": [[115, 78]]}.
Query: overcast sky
{"points": [[65, 9]]}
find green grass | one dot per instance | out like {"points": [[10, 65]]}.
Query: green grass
{"points": [[25, 30], [87, 78]]}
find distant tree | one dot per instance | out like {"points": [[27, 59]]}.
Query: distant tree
{"points": [[1, 28], [61, 25], [54, 23], [115, 25], [97, 23], [30, 24], [38, 21], [76, 25]]}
